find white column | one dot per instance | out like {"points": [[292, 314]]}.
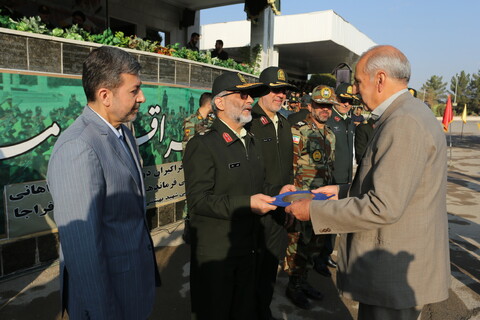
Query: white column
{"points": [[262, 32]]}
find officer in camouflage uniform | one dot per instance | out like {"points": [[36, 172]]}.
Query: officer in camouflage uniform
{"points": [[200, 120], [314, 155]]}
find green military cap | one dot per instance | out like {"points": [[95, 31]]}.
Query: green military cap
{"points": [[231, 81], [275, 77], [324, 94]]}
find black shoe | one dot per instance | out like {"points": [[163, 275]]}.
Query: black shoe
{"points": [[331, 263], [295, 293], [311, 292], [321, 268]]}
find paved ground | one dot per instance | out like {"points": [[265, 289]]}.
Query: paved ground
{"points": [[35, 295]]}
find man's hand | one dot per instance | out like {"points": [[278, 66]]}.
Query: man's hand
{"points": [[260, 203], [287, 188], [329, 190], [300, 209]]}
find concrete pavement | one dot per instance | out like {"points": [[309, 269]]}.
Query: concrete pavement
{"points": [[35, 295]]}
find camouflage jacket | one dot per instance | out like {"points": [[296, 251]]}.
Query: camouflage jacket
{"points": [[195, 123], [313, 154]]}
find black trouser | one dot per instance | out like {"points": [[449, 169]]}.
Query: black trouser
{"points": [[222, 289]]}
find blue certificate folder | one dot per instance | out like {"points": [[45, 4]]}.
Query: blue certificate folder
{"points": [[285, 199]]}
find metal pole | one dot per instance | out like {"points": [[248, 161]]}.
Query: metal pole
{"points": [[456, 83]]}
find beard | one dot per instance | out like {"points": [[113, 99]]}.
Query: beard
{"points": [[321, 118], [237, 116]]}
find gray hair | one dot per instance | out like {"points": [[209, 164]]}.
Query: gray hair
{"points": [[393, 62], [214, 106]]}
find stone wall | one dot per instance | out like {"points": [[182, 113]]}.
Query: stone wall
{"points": [[25, 51]]}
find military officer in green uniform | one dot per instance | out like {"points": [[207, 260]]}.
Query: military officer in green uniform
{"points": [[314, 155], [200, 120], [226, 193], [274, 133]]}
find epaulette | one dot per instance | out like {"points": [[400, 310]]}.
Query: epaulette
{"points": [[205, 132], [299, 124]]}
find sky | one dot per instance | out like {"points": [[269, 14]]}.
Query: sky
{"points": [[438, 37]]}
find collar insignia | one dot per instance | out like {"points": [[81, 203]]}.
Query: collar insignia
{"points": [[264, 120], [227, 137]]}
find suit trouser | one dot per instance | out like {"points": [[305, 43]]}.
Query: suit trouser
{"points": [[222, 289], [371, 312]]}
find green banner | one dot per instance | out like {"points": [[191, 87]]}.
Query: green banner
{"points": [[34, 110]]}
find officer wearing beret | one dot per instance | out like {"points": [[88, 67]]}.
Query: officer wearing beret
{"points": [[225, 185], [274, 133], [314, 154]]}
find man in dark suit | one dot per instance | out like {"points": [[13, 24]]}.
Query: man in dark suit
{"points": [[394, 253], [274, 132], [107, 261], [226, 193]]}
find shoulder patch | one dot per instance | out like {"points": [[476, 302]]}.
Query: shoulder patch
{"points": [[296, 139]]}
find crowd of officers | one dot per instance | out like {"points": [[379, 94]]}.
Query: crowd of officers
{"points": [[239, 156]]}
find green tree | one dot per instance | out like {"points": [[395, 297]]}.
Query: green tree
{"points": [[326, 79], [435, 90], [459, 86], [474, 93]]}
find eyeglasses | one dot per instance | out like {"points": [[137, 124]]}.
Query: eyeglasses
{"points": [[278, 90], [346, 100], [243, 95]]}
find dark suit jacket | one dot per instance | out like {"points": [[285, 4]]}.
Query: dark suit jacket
{"points": [[107, 262], [394, 252]]}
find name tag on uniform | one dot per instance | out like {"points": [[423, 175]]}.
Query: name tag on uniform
{"points": [[234, 165], [267, 139]]}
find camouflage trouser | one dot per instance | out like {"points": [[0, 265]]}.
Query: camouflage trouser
{"points": [[301, 250]]}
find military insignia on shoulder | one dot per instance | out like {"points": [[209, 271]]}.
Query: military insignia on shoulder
{"points": [[264, 120], [317, 155], [296, 139], [300, 123], [326, 93], [227, 137], [187, 132]]}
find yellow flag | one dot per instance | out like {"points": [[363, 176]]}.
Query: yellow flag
{"points": [[464, 114]]}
